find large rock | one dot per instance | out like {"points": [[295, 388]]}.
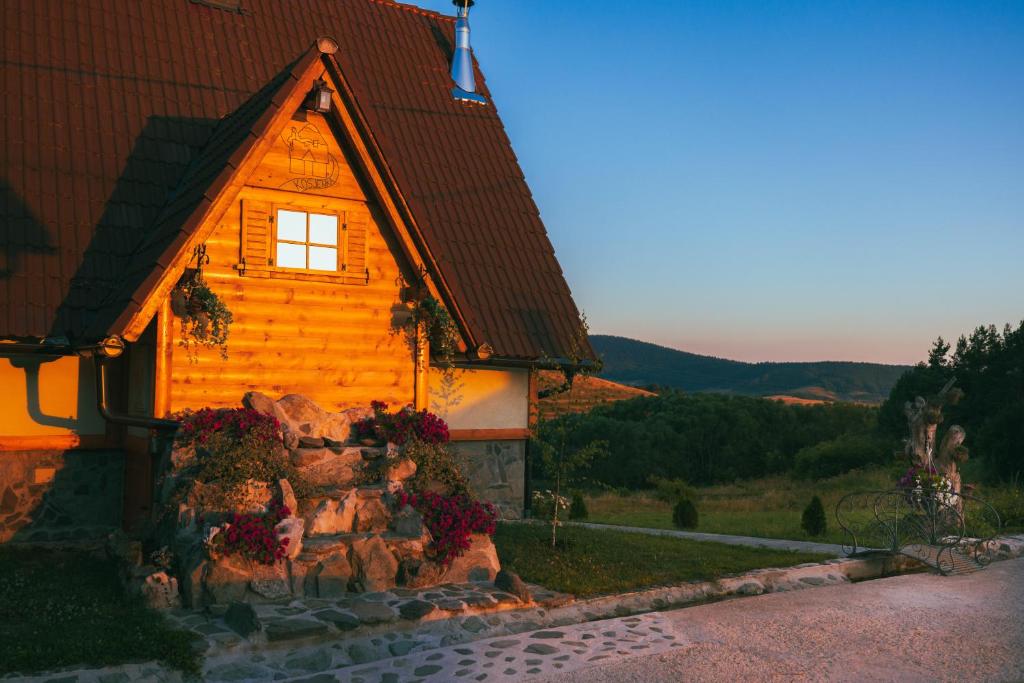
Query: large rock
{"points": [[242, 619], [372, 515], [288, 496], [375, 566], [327, 467], [261, 403], [333, 517], [302, 417], [332, 580], [270, 580], [226, 582], [160, 591], [291, 528], [478, 563], [407, 522], [511, 583]]}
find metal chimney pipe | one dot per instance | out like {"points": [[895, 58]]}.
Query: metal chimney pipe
{"points": [[462, 60]]}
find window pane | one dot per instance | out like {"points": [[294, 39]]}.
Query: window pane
{"points": [[323, 229], [291, 225], [323, 258], [291, 255]]}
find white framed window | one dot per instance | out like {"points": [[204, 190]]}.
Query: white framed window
{"points": [[304, 240]]}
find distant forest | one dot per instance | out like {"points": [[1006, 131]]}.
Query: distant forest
{"points": [[707, 438], [642, 364]]}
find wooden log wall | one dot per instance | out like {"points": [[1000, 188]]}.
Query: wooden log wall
{"points": [[331, 341]]}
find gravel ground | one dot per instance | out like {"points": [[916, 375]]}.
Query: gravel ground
{"points": [[920, 627]]}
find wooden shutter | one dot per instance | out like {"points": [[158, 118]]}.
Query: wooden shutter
{"points": [[355, 237], [256, 251]]}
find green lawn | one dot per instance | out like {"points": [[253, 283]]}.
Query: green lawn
{"points": [[62, 609], [771, 507], [594, 562]]}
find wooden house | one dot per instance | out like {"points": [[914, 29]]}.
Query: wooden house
{"points": [[312, 160]]}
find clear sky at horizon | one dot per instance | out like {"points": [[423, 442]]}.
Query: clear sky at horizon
{"points": [[772, 180]]}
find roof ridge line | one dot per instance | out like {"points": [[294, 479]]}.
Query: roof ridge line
{"points": [[415, 9]]}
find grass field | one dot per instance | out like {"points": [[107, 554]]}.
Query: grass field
{"points": [[771, 507], [590, 562], [61, 609]]}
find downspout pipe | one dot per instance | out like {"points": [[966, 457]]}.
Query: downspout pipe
{"points": [[103, 405]]}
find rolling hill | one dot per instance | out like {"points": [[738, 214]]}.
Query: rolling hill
{"points": [[638, 363]]}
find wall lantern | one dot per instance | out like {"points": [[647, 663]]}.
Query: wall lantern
{"points": [[111, 347], [320, 98]]}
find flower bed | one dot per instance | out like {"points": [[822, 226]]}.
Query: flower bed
{"points": [[253, 536], [451, 520], [402, 425]]}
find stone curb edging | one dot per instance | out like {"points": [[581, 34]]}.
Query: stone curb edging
{"points": [[442, 634]]}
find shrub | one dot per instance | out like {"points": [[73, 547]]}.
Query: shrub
{"points": [[813, 519], [233, 446], [253, 536], [401, 426], [578, 507], [684, 514], [450, 520]]}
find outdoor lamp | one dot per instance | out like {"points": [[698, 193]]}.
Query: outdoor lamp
{"points": [[321, 96]]}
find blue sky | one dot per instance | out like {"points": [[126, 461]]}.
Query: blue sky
{"points": [[772, 180]]}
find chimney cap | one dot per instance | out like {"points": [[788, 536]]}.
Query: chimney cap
{"points": [[463, 3], [326, 45]]}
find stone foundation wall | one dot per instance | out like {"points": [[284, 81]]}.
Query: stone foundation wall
{"points": [[60, 495], [496, 472]]}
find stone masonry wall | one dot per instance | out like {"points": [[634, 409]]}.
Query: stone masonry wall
{"points": [[60, 495], [497, 473]]}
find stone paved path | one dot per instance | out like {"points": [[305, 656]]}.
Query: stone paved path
{"points": [[520, 657], [912, 628], [833, 549]]}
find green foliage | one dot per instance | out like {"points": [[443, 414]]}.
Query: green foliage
{"points": [[642, 364], [578, 507], [438, 325], [989, 367], [231, 449], [436, 464], [841, 454], [813, 519], [589, 562], [701, 439], [684, 514], [205, 319], [64, 609]]}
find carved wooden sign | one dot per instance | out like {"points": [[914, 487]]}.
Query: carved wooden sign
{"points": [[307, 158]]}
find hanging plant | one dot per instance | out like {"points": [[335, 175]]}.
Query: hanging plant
{"points": [[205, 319], [438, 325]]}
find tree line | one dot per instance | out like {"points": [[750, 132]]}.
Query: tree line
{"points": [[712, 438]]}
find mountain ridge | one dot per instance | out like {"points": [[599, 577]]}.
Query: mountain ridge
{"points": [[639, 363]]}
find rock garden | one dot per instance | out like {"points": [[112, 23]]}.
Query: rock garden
{"points": [[282, 500]]}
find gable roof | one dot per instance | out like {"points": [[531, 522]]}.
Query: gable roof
{"points": [[118, 113]]}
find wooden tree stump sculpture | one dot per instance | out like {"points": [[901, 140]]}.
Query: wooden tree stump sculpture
{"points": [[923, 418]]}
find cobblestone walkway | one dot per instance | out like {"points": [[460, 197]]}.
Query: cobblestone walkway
{"points": [[518, 658]]}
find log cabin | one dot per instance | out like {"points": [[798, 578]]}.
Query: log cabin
{"points": [[320, 165]]}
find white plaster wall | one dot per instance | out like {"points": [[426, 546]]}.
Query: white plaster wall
{"points": [[47, 396], [481, 399]]}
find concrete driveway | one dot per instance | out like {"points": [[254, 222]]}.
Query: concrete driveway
{"points": [[919, 627]]}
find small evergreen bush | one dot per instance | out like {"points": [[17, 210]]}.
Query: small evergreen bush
{"points": [[578, 508], [684, 515], [813, 520]]}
